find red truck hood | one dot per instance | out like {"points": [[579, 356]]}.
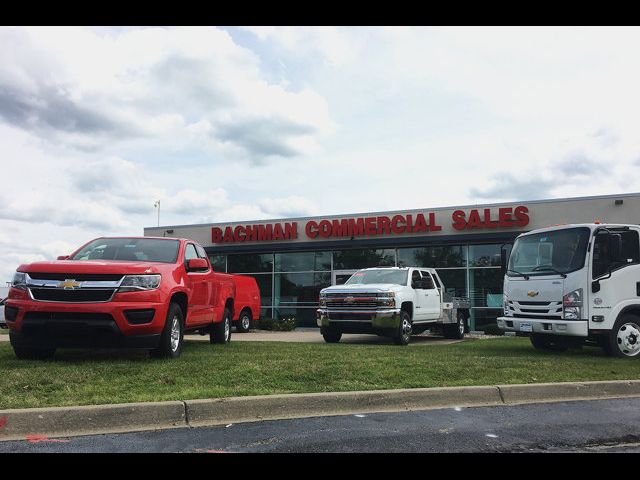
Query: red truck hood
{"points": [[95, 266]]}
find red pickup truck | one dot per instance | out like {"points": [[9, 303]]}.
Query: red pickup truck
{"points": [[133, 292]]}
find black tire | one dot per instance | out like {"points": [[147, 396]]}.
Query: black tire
{"points": [[624, 339], [220, 332], [243, 325], [403, 335], [172, 334], [548, 342], [331, 335], [33, 353], [455, 331]]}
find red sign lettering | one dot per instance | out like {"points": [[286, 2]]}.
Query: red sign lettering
{"points": [[474, 219]]}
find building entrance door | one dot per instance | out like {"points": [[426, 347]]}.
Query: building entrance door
{"points": [[338, 277]]}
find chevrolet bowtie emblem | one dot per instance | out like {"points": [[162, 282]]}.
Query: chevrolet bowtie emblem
{"points": [[349, 299], [532, 293], [69, 284]]}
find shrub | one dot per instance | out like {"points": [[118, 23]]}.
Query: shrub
{"points": [[277, 324]]}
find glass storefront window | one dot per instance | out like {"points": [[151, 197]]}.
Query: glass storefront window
{"points": [[485, 287], [302, 261], [364, 258], [485, 255], [261, 262], [300, 289], [455, 281], [434, 257], [218, 262]]}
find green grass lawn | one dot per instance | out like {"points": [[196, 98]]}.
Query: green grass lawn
{"points": [[83, 377]]}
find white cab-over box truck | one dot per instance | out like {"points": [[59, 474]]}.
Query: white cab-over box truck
{"points": [[576, 284]]}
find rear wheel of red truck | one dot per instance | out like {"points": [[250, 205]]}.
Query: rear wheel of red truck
{"points": [[172, 334], [244, 322], [220, 332]]}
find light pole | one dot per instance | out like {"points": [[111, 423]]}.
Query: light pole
{"points": [[157, 204]]}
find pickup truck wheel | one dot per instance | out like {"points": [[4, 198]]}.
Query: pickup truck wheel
{"points": [[220, 332], [404, 330], [331, 335], [172, 334], [548, 342], [244, 322], [33, 353], [455, 331], [624, 339]]}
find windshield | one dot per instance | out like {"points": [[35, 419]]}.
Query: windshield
{"points": [[397, 277], [130, 249], [558, 251]]}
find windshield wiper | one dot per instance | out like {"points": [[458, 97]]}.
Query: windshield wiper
{"points": [[526, 277], [551, 269]]}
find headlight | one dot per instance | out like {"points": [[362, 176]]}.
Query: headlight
{"points": [[572, 303], [323, 299], [387, 299], [19, 280], [572, 313], [136, 283], [573, 299]]}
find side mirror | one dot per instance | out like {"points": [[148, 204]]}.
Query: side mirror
{"points": [[503, 260], [595, 286], [197, 264], [615, 247], [63, 257], [416, 285]]}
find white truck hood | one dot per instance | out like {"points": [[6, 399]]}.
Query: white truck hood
{"points": [[363, 288]]}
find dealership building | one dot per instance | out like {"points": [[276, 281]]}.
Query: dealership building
{"points": [[292, 259]]}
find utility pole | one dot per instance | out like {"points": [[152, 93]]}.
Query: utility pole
{"points": [[157, 204]]}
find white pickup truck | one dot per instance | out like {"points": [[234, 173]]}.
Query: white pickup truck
{"points": [[391, 301]]}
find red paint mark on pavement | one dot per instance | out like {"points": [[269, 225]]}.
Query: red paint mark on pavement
{"points": [[3, 422], [42, 438]]}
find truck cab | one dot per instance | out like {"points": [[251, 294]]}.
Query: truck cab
{"points": [[575, 284], [391, 301]]}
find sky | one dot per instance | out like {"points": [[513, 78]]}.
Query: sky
{"points": [[225, 124]]}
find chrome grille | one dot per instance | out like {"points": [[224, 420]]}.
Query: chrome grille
{"points": [[528, 309], [352, 301]]}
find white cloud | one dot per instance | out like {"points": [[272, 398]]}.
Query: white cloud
{"points": [[270, 122]]}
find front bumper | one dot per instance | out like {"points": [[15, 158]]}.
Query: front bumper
{"points": [[381, 319], [136, 314], [572, 328]]}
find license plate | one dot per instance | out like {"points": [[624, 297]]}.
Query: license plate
{"points": [[526, 327]]}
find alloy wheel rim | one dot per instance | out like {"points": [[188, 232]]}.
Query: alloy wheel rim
{"points": [[628, 339], [461, 327], [245, 322], [226, 329], [406, 328], [175, 334]]}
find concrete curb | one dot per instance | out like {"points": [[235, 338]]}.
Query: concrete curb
{"points": [[91, 419], [97, 419]]}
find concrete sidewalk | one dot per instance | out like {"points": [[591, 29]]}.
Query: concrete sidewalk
{"points": [[39, 423], [312, 335]]}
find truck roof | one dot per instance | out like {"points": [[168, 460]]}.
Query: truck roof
{"points": [[429, 269], [146, 237], [590, 226]]}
